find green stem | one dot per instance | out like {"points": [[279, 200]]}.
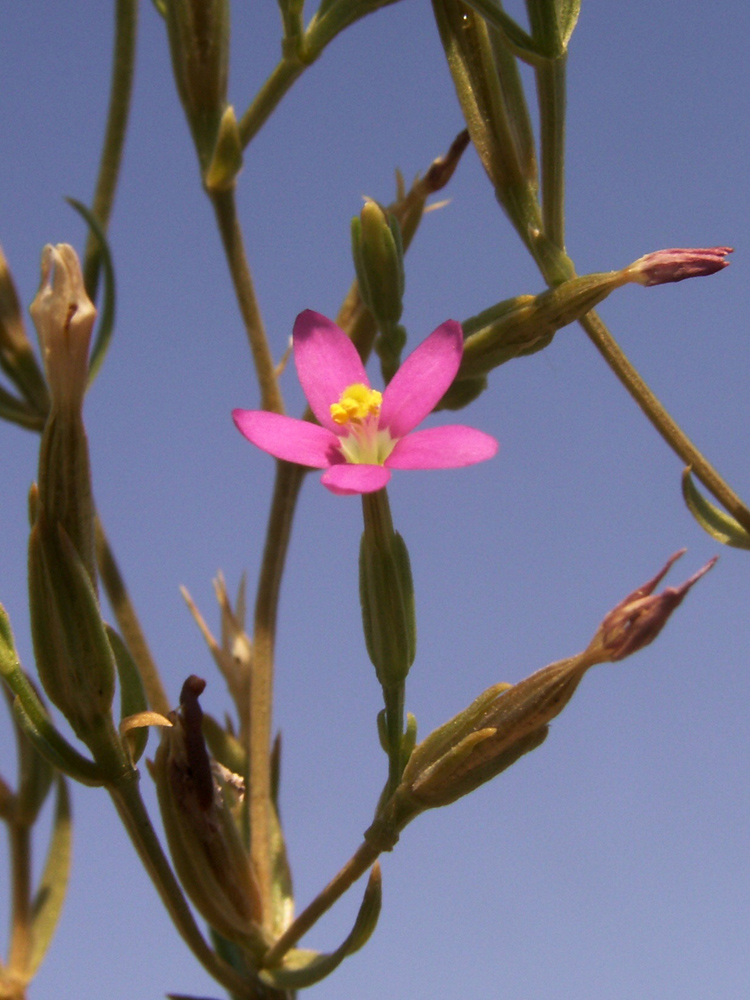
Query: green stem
{"points": [[268, 97], [354, 869], [127, 619], [225, 208], [394, 726], [123, 66], [20, 861], [135, 818], [675, 437], [550, 83], [286, 490]]}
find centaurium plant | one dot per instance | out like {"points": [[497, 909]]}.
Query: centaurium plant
{"points": [[223, 870]]}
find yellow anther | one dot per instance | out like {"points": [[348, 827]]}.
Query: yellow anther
{"points": [[356, 404]]}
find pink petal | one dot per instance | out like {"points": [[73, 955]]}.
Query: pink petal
{"points": [[327, 363], [348, 479], [442, 448], [289, 439], [422, 379]]}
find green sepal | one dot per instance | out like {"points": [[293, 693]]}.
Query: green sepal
{"points": [[444, 737], [282, 890], [716, 522], [35, 776], [462, 392], [512, 34], [132, 694], [304, 968], [409, 740], [107, 312], [33, 719], [224, 747], [442, 771], [74, 658], [50, 894], [388, 617], [552, 24]]}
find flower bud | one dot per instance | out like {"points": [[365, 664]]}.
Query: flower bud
{"points": [[527, 323], [204, 841], [379, 262], [664, 266], [640, 617], [73, 655], [199, 42], [64, 317], [508, 721], [387, 594]]}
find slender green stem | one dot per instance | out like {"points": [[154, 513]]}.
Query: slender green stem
{"points": [[662, 421], [354, 869], [268, 97], [225, 208], [286, 490], [128, 621], [135, 818], [395, 699], [20, 861], [550, 83], [123, 66]]}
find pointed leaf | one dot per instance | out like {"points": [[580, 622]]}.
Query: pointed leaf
{"points": [[133, 701], [304, 968], [50, 895], [107, 312], [716, 522]]}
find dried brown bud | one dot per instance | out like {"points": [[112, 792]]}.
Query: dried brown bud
{"points": [[640, 617]]}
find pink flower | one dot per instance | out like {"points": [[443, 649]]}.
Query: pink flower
{"points": [[362, 434]]}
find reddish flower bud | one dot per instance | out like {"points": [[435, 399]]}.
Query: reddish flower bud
{"points": [[640, 617], [663, 266]]}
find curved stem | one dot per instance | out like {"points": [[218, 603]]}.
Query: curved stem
{"points": [[123, 65], [128, 621], [225, 208], [354, 869], [662, 421], [286, 490], [135, 818], [268, 97]]}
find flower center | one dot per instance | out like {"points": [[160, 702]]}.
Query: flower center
{"points": [[357, 413], [356, 404]]}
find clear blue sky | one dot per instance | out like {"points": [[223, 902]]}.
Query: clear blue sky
{"points": [[611, 864]]}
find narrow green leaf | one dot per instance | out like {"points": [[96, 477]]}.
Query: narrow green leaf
{"points": [[107, 312], [15, 411], [305, 968], [50, 894], [716, 522], [33, 718], [132, 694]]}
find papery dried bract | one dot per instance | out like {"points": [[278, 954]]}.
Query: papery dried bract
{"points": [[205, 844]]}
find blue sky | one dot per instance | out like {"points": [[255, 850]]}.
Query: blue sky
{"points": [[611, 864]]}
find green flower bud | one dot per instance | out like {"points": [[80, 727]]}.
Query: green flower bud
{"points": [[527, 323], [379, 262], [199, 42], [204, 841], [387, 594], [73, 655], [64, 317]]}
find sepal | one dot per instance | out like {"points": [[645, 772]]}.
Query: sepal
{"points": [[302, 968]]}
